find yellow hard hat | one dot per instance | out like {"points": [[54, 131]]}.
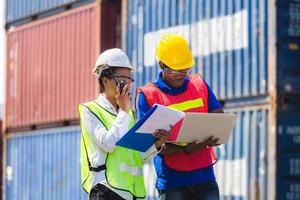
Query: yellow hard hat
{"points": [[173, 50]]}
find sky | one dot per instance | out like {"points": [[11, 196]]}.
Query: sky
{"points": [[2, 47]]}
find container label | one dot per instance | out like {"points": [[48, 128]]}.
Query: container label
{"points": [[289, 165], [288, 131], [289, 190], [294, 20]]}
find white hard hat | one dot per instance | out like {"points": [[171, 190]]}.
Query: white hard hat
{"points": [[111, 58]]}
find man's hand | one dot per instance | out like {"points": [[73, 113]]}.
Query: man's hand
{"points": [[162, 136], [196, 145]]}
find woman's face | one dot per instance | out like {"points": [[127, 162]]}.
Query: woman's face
{"points": [[120, 75]]}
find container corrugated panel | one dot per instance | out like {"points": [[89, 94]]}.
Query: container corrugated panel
{"points": [[44, 164], [49, 67], [228, 39], [150, 180], [288, 153], [288, 28], [242, 169], [19, 9]]}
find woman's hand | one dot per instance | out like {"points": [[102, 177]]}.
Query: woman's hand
{"points": [[196, 145], [123, 99]]}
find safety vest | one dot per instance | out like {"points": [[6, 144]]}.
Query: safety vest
{"points": [[194, 99], [123, 167]]}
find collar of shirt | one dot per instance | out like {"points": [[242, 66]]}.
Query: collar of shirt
{"points": [[102, 101], [161, 84]]}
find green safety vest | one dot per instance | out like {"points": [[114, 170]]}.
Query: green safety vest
{"points": [[123, 167]]}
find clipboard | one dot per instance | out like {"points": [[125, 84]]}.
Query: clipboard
{"points": [[201, 126], [140, 136]]}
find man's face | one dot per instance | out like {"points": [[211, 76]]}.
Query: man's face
{"points": [[173, 78]]}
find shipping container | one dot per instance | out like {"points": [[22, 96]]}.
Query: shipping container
{"points": [[17, 10], [248, 52], [49, 63], [288, 152], [288, 33], [242, 168], [44, 164], [150, 180], [263, 150], [236, 44]]}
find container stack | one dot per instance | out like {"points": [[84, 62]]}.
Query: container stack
{"points": [[249, 54], [51, 49]]}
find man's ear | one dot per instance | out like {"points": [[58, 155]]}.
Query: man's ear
{"points": [[160, 64]]}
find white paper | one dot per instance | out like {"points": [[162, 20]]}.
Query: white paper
{"points": [[161, 118]]}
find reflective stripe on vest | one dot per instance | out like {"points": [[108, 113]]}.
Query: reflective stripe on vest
{"points": [[192, 106], [186, 105], [123, 166], [134, 171], [194, 99]]}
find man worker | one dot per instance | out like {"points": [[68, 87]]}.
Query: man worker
{"points": [[109, 171], [183, 172]]}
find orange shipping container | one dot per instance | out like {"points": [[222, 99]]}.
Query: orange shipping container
{"points": [[49, 63]]}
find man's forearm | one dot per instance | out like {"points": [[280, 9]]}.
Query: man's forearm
{"points": [[168, 148]]}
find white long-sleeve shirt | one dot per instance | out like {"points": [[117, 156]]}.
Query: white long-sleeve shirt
{"points": [[106, 139]]}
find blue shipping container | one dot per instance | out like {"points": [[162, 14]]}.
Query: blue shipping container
{"points": [[288, 28], [229, 40], [21, 9], [246, 166], [242, 168], [44, 165], [288, 154]]}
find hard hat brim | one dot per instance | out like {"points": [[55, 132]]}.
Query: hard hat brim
{"points": [[180, 67], [183, 67], [95, 69]]}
